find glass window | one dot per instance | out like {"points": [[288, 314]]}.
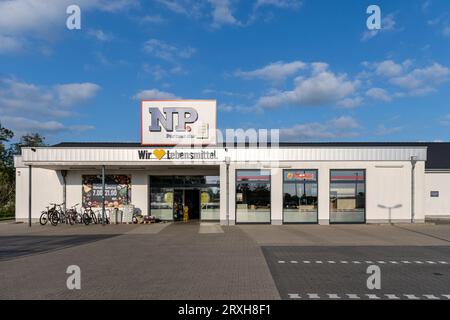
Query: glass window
{"points": [[161, 203], [300, 201], [210, 203], [347, 196], [253, 196]]}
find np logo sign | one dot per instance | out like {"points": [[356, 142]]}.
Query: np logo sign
{"points": [[178, 122]]}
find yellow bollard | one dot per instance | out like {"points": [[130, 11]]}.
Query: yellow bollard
{"points": [[186, 214]]}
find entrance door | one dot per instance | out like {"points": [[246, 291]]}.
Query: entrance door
{"points": [[192, 201], [178, 203]]}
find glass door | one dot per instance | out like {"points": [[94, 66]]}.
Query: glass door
{"points": [[178, 201]]}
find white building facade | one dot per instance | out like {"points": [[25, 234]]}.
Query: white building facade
{"points": [[316, 183]]}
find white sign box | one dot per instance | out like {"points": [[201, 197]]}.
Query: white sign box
{"points": [[178, 122]]}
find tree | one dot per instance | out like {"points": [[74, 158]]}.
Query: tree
{"points": [[6, 173], [29, 140]]}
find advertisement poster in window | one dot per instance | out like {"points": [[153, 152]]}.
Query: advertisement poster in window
{"points": [[117, 190]]}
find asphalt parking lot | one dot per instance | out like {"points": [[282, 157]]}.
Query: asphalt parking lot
{"points": [[407, 272], [253, 262]]}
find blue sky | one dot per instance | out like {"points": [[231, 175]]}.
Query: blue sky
{"points": [[309, 68]]}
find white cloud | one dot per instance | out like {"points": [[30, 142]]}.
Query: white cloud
{"points": [[222, 13], [446, 31], [423, 80], [321, 87], [379, 94], [100, 35], [75, 93], [26, 107], [389, 68], [277, 71], [382, 130], [152, 19], [285, 4], [166, 51], [341, 127], [446, 120], [350, 102], [10, 44], [38, 19], [17, 98], [23, 125], [387, 24], [154, 94]]}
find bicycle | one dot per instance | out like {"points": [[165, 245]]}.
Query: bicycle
{"points": [[74, 215], [107, 216], [89, 216], [59, 216], [46, 215]]}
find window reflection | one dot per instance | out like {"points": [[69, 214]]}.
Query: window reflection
{"points": [[300, 201], [253, 196], [347, 196]]}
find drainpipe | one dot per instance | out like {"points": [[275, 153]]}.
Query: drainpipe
{"points": [[227, 162], [29, 194], [103, 195], [413, 187], [64, 175]]}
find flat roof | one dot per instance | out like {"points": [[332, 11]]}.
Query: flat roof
{"points": [[438, 153]]}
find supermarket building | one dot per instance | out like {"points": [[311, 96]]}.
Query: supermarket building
{"points": [[314, 183]]}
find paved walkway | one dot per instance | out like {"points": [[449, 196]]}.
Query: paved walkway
{"points": [[134, 262], [207, 261]]}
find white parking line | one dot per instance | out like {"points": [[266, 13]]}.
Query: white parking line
{"points": [[411, 296], [431, 297], [371, 296], [399, 262]]}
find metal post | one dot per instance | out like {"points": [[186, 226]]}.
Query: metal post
{"points": [[413, 187], [103, 195], [29, 194], [227, 161], [64, 174]]}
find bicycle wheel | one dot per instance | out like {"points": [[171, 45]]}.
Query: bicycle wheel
{"points": [[86, 218], [43, 219], [69, 218], [54, 219], [94, 218], [78, 218]]}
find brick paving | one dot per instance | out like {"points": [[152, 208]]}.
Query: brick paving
{"points": [[178, 261]]}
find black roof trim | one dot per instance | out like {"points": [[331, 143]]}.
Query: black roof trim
{"points": [[281, 144]]}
